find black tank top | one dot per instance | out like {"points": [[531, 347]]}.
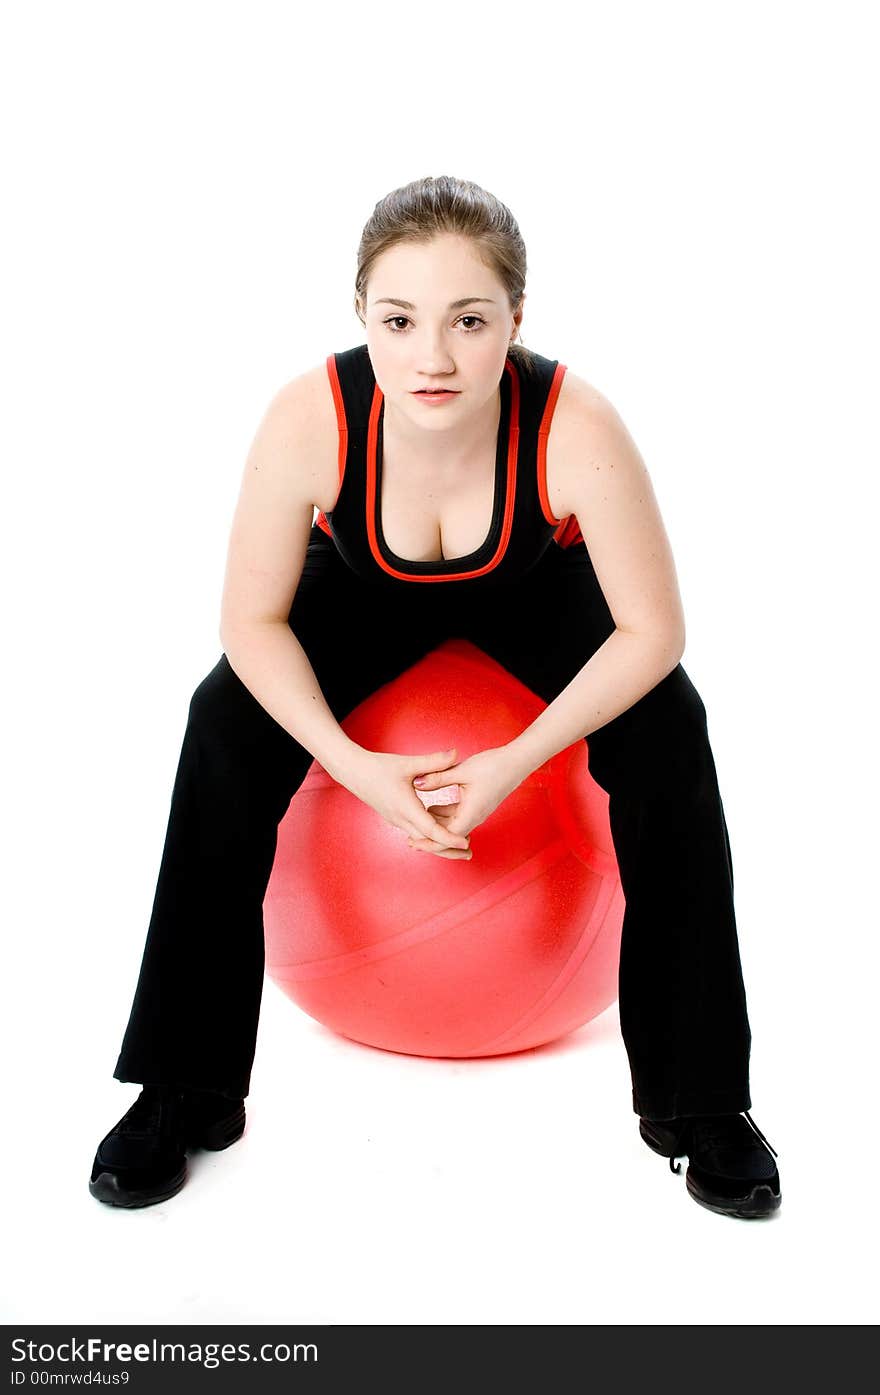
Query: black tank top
{"points": [[522, 526]]}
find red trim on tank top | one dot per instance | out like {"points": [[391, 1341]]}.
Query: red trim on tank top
{"points": [[568, 529], [342, 425], [510, 497], [543, 433], [569, 532]]}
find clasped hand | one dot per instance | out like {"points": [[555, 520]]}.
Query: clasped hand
{"points": [[387, 782]]}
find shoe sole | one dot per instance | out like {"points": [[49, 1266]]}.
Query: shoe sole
{"points": [[106, 1186], [762, 1200]]}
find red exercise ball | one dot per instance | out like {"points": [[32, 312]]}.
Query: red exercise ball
{"points": [[433, 956]]}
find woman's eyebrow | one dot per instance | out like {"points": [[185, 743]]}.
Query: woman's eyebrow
{"points": [[453, 304]]}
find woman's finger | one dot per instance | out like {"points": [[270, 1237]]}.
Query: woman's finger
{"points": [[448, 814], [437, 780], [428, 845], [434, 840], [436, 832]]}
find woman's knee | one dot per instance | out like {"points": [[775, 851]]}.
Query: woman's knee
{"points": [[681, 731], [221, 705], [241, 745], [659, 744]]}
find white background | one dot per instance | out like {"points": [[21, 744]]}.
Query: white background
{"points": [[185, 188]]}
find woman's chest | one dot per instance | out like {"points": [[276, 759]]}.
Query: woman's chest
{"points": [[430, 515], [433, 516]]}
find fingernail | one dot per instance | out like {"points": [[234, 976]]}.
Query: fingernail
{"points": [[420, 781]]}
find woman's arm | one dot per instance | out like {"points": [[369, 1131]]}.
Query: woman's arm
{"points": [[620, 672], [272, 664], [267, 550], [599, 475]]}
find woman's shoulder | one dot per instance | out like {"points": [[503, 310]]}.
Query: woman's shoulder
{"points": [[583, 418], [307, 407]]}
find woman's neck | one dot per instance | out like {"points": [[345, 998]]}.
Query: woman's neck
{"points": [[467, 444]]}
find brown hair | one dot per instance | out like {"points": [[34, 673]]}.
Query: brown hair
{"points": [[424, 208]]}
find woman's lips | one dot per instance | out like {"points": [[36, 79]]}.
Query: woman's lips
{"points": [[445, 396]]}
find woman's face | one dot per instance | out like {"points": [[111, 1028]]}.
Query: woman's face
{"points": [[430, 339]]}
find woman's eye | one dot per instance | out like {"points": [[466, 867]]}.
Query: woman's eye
{"points": [[394, 320]]}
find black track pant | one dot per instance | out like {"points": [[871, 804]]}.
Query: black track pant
{"points": [[681, 995]]}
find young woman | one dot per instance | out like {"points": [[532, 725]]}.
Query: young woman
{"points": [[466, 487]]}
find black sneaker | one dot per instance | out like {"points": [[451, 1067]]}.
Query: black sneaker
{"points": [[142, 1159], [730, 1169]]}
